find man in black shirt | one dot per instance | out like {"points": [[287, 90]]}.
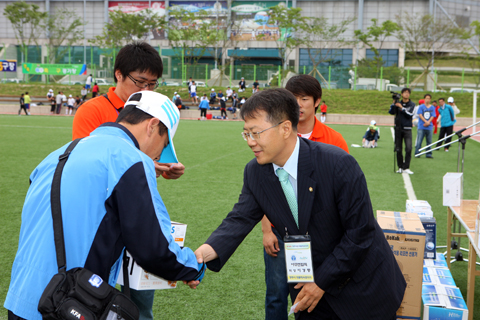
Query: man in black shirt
{"points": [[403, 111]]}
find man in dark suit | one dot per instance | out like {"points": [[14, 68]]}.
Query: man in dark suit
{"points": [[355, 272]]}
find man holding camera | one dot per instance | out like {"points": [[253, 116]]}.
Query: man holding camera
{"points": [[403, 111]]}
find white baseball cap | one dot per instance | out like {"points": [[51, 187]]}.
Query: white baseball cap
{"points": [[51, 90], [70, 96], [174, 93], [450, 99], [161, 107], [373, 123], [213, 89]]}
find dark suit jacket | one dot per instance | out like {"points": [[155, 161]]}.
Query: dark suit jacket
{"points": [[353, 262]]}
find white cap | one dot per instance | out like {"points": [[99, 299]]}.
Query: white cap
{"points": [[223, 98], [373, 122], [242, 77], [174, 93], [162, 108], [178, 95], [450, 99], [70, 96], [213, 89], [51, 90]]}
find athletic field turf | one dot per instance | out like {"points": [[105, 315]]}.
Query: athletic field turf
{"points": [[215, 154]]}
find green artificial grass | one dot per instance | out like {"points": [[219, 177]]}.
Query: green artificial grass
{"points": [[214, 155]]}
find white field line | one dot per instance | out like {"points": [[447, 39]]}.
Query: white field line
{"points": [[406, 178]]}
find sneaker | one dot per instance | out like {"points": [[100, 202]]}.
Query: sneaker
{"points": [[399, 170], [429, 157], [407, 171], [446, 150]]}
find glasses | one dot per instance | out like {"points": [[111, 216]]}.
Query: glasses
{"points": [[256, 135], [143, 84]]}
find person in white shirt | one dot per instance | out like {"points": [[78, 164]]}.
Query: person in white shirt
{"points": [[88, 83], [193, 92], [229, 93], [70, 104], [84, 93], [51, 100], [58, 99]]}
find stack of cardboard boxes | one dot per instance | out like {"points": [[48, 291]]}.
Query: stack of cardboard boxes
{"points": [[412, 237]]}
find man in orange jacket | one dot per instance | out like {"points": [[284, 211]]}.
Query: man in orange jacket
{"points": [[308, 92]]}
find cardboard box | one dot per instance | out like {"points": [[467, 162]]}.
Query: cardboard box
{"points": [[420, 207], [430, 226], [140, 279], [443, 302], [452, 189], [406, 236], [438, 262]]}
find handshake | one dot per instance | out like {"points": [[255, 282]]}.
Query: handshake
{"points": [[204, 254]]}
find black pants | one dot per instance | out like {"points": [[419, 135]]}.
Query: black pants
{"points": [[12, 316], [223, 113], [24, 108], [52, 108], [203, 112], [445, 131], [400, 136]]}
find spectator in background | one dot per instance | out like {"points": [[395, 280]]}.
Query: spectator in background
{"points": [[193, 92], [453, 105], [213, 96], [70, 104], [220, 94], [370, 137], [229, 93], [255, 86], [234, 95], [28, 100], [22, 104], [323, 110], [241, 85], [204, 106], [235, 104], [78, 102], [51, 100], [84, 93], [426, 113], [223, 108], [415, 115], [242, 101], [447, 120], [174, 97], [88, 82], [95, 90], [64, 100], [59, 102], [434, 121], [189, 83], [179, 103]]}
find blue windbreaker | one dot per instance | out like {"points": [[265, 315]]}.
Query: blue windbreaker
{"points": [[109, 202], [447, 115]]}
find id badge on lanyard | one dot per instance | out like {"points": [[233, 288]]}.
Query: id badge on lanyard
{"points": [[298, 258]]}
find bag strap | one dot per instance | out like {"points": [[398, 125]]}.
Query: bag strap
{"points": [[58, 221], [57, 209]]}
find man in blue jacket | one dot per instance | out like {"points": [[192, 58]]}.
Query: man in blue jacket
{"points": [[109, 202], [204, 106], [426, 114], [447, 120]]}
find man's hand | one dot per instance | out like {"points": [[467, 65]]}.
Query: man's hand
{"points": [[398, 104], [426, 124], [308, 297], [205, 253], [270, 242], [192, 284], [169, 170]]}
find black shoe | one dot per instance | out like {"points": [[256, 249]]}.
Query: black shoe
{"points": [[429, 157]]}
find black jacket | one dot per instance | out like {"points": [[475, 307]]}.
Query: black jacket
{"points": [[403, 117]]}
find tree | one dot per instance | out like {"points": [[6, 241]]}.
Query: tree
{"points": [[424, 38], [63, 30], [374, 39], [321, 39], [289, 21], [124, 28], [26, 21], [189, 33]]}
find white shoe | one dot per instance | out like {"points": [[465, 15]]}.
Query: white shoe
{"points": [[399, 170], [407, 171], [446, 150]]}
